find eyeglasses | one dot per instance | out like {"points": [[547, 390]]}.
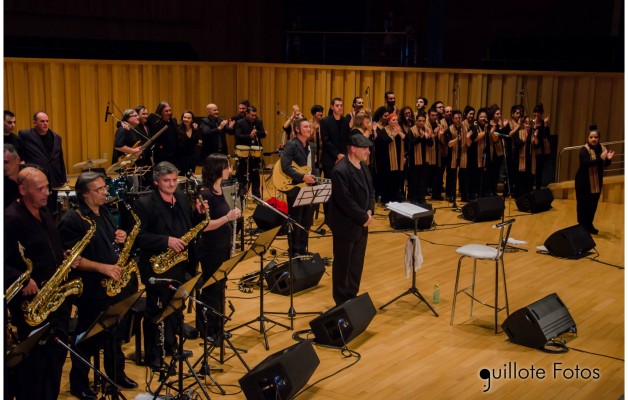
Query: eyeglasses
{"points": [[101, 190]]}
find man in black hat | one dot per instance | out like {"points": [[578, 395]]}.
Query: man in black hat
{"points": [[351, 211]]}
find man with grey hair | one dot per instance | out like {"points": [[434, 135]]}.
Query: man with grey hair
{"points": [[165, 215], [11, 169], [98, 262]]}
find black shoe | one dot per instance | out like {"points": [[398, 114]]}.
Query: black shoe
{"points": [[126, 382], [85, 394], [592, 230]]}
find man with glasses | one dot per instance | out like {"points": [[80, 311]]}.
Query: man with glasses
{"points": [[98, 262], [127, 140]]}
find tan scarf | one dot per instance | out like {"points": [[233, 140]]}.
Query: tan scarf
{"points": [[522, 153], [430, 151], [455, 148], [594, 178], [463, 150], [395, 164], [480, 149], [496, 147], [418, 156]]}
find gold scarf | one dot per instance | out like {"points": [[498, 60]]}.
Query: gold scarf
{"points": [[418, 156], [395, 164], [594, 178]]}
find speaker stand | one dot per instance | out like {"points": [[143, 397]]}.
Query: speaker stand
{"points": [[412, 290]]}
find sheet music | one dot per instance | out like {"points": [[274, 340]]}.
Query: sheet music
{"points": [[407, 209]]}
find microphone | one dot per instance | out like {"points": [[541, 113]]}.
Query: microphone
{"points": [[107, 112], [153, 281], [500, 135], [367, 90], [319, 231]]}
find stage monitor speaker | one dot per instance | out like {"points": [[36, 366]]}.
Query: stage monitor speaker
{"points": [[572, 242], [345, 322], [266, 219], [534, 325], [398, 221], [484, 209], [536, 201], [306, 273], [281, 375]]}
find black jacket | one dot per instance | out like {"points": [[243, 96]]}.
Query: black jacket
{"points": [[350, 199], [33, 152], [334, 140]]}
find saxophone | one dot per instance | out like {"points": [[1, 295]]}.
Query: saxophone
{"points": [[16, 286], [54, 292], [169, 258], [113, 287]]}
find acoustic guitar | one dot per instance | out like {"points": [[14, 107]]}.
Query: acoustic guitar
{"points": [[284, 183]]}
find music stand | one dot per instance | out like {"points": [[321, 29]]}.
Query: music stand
{"points": [[178, 303], [221, 274], [414, 212], [259, 247], [307, 197], [21, 352], [108, 321]]}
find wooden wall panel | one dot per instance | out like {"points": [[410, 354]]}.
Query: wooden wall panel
{"points": [[75, 94]]}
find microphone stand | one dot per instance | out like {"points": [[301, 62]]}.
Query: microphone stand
{"points": [[291, 223]]}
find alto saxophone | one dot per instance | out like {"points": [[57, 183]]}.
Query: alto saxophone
{"points": [[169, 258], [127, 268], [16, 286], [55, 291]]}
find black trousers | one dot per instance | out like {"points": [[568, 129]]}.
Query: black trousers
{"points": [[304, 215], [437, 181], [348, 266], [450, 183], [156, 295], [417, 184], [586, 205], [253, 165], [209, 323]]}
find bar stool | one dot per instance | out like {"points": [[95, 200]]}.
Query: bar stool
{"points": [[489, 253]]}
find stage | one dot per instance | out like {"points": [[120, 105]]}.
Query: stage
{"points": [[408, 353]]}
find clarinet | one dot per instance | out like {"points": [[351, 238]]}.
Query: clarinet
{"points": [[162, 341], [234, 195]]}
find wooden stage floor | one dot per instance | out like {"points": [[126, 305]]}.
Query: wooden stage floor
{"points": [[408, 353]]}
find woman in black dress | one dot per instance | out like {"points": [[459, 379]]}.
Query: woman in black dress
{"points": [[593, 158], [214, 245], [188, 137]]}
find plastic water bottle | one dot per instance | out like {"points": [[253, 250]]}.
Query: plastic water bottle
{"points": [[436, 294]]}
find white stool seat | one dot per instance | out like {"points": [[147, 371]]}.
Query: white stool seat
{"points": [[479, 251]]}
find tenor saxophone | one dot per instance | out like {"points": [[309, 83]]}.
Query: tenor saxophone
{"points": [[127, 268], [164, 261], [55, 291], [16, 286]]}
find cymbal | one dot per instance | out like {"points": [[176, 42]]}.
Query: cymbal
{"points": [[64, 188], [89, 163]]}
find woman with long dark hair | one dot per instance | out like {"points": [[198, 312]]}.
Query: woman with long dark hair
{"points": [[188, 138], [593, 159], [524, 155], [214, 245]]}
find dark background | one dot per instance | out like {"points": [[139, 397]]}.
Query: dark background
{"points": [[531, 35]]}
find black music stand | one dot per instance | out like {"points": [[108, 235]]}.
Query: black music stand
{"points": [[221, 274], [108, 321], [177, 303], [414, 212], [307, 197], [21, 352], [259, 247]]}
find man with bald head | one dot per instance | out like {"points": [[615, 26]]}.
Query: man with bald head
{"points": [[42, 146], [213, 132], [28, 221]]}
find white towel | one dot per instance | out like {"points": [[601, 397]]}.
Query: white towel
{"points": [[413, 253]]}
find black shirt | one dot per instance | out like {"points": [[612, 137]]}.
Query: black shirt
{"points": [[11, 191], [48, 141], [217, 239], [100, 248], [123, 138]]}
